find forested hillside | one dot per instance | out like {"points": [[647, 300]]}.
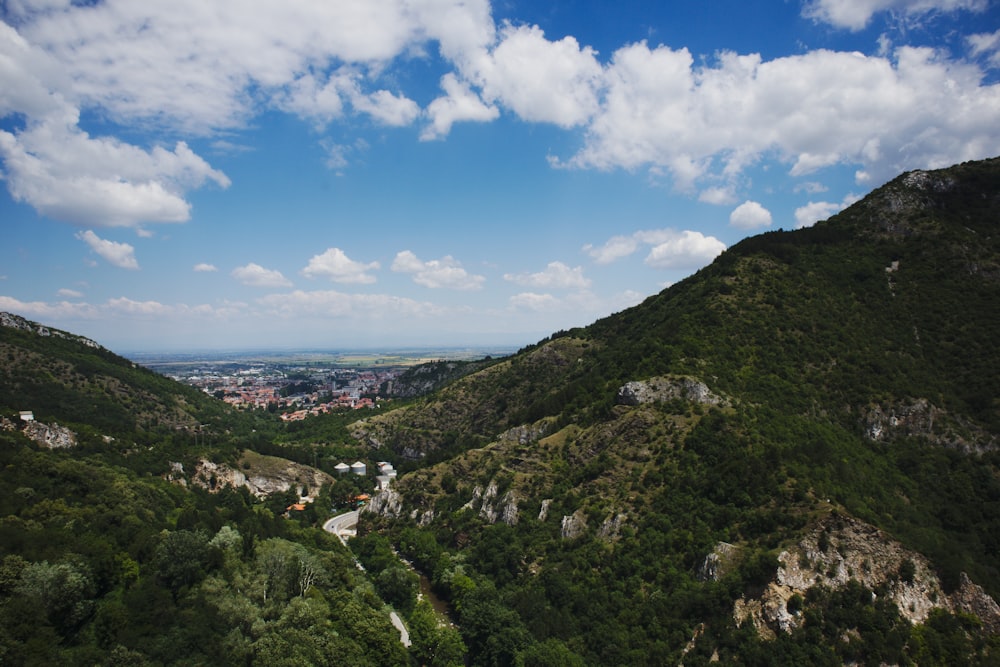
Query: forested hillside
{"points": [[113, 551], [790, 457], [635, 491]]}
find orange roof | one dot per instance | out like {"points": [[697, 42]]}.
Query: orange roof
{"points": [[363, 496], [298, 507]]}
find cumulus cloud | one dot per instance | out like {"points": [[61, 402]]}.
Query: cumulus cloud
{"points": [[339, 304], [669, 249], [437, 273], [613, 249], [814, 110], [555, 276], [204, 268], [338, 267], [203, 69], [533, 301], [256, 275], [855, 14], [121, 255], [750, 215], [541, 80], [459, 103], [69, 293], [687, 250], [813, 212]]}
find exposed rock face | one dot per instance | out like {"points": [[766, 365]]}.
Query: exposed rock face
{"points": [[263, 476], [972, 599], [543, 512], [718, 563], [52, 436], [387, 503], [611, 527], [919, 418], [527, 433], [573, 526], [660, 389], [492, 508], [18, 322], [841, 549]]}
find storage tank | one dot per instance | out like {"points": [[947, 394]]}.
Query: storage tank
{"points": [[359, 468], [342, 468]]}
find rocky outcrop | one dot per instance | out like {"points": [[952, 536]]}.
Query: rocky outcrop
{"points": [[262, 475], [387, 503], [52, 436], [528, 433], [573, 526], [492, 508], [920, 418], [841, 549], [17, 322], [611, 527], [972, 599], [718, 563], [662, 389]]}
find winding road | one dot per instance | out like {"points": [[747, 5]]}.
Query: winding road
{"points": [[345, 526]]}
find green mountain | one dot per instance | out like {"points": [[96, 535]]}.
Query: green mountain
{"points": [[789, 457], [127, 538]]}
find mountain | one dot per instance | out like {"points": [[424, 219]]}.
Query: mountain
{"points": [[138, 526], [61, 376], [790, 456]]}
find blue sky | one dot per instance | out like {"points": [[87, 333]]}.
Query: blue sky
{"points": [[185, 175]]}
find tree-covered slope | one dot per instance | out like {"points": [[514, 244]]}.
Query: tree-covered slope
{"points": [[845, 370], [114, 552], [67, 378]]}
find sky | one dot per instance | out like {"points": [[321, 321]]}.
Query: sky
{"points": [[182, 175]]}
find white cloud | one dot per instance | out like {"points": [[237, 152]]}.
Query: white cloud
{"points": [[256, 275], [49, 312], [121, 255], [540, 80], [204, 268], [855, 14], [338, 304], [459, 103], [437, 273], [555, 276], [986, 44], [670, 249], [69, 293], [885, 114], [338, 267], [533, 302], [717, 195], [750, 215], [613, 249], [813, 212], [687, 250], [67, 175]]}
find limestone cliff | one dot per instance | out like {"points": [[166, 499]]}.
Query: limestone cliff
{"points": [[840, 549], [262, 475]]}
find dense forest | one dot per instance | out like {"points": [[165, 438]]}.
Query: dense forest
{"points": [[790, 457]]}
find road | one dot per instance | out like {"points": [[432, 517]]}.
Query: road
{"points": [[345, 526]]}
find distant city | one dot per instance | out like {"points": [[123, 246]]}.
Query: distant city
{"points": [[298, 384]]}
